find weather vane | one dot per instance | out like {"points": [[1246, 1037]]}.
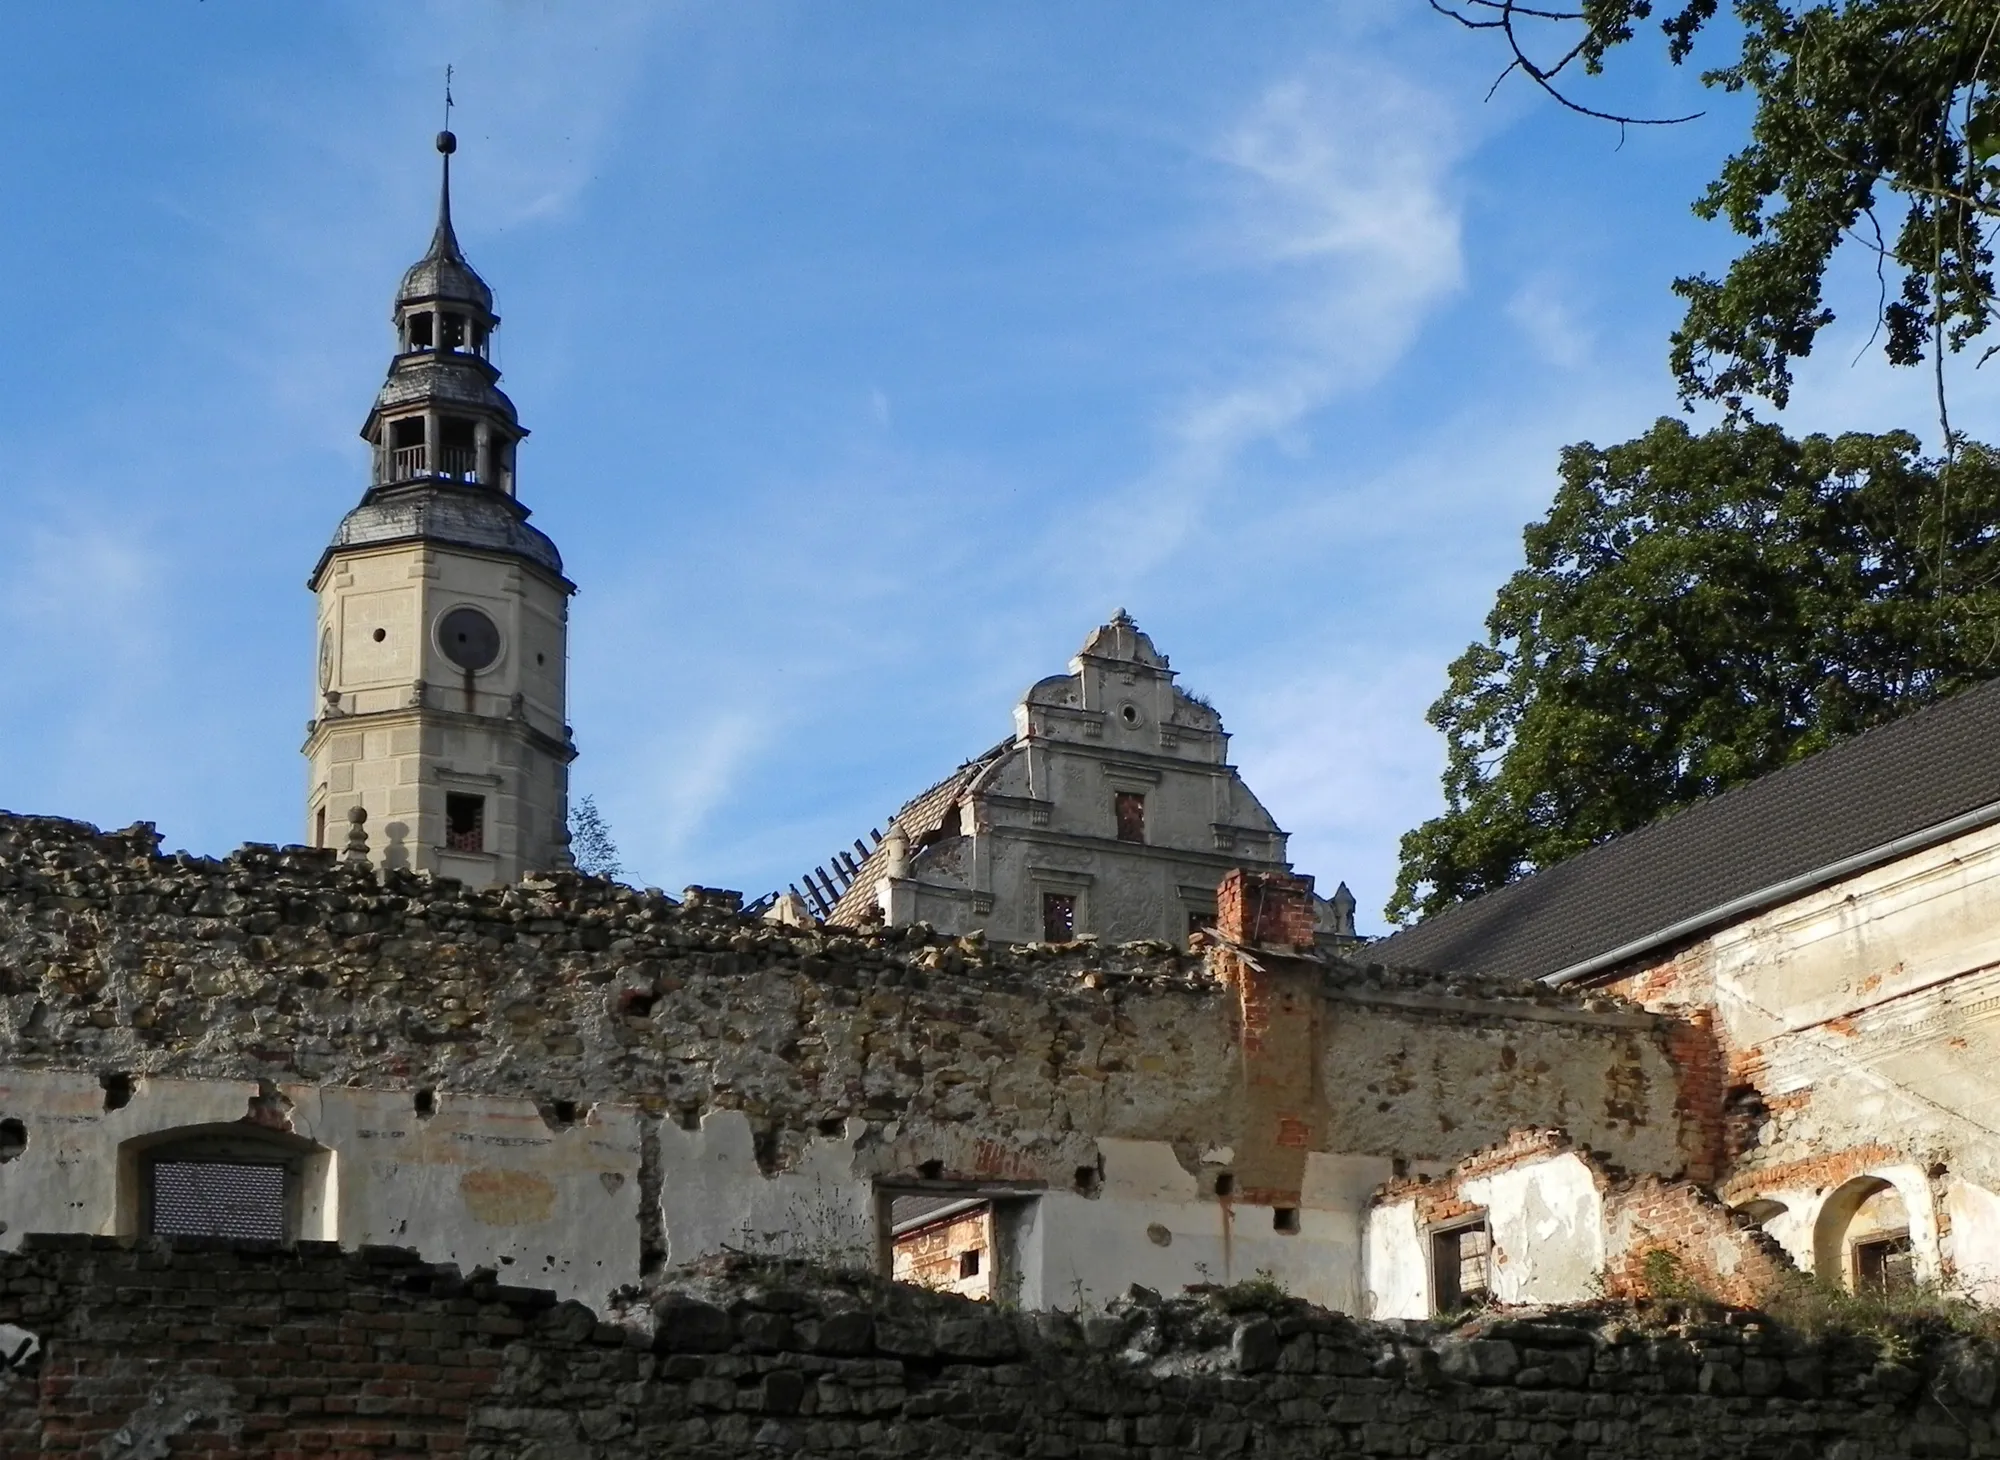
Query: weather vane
{"points": [[447, 98]]}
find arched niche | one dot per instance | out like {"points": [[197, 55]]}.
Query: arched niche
{"points": [[1862, 1237], [1760, 1210], [233, 1179]]}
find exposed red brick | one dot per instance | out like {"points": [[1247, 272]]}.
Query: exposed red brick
{"points": [[1272, 909]]}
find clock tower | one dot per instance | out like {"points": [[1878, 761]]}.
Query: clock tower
{"points": [[443, 616]]}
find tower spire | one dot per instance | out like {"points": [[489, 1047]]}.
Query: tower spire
{"points": [[444, 243]]}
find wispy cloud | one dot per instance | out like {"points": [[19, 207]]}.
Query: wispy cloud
{"points": [[1337, 218], [1550, 321]]}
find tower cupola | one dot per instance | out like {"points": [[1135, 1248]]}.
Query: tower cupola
{"points": [[441, 415]]}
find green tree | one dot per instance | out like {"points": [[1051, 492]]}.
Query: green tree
{"points": [[1697, 610], [1875, 126], [590, 843]]}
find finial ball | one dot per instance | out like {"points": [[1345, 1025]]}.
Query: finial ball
{"points": [[357, 814], [447, 144]]}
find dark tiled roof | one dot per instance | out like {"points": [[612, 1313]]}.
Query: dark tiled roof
{"points": [[1891, 782], [919, 818]]}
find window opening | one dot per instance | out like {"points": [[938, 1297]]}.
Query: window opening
{"points": [[1058, 917], [1129, 807], [465, 823], [420, 331], [319, 827], [1284, 1219], [1459, 1267], [459, 449], [947, 1241], [217, 1199], [1200, 922], [453, 336], [407, 458], [1885, 1264], [13, 1139]]}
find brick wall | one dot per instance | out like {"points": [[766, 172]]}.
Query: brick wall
{"points": [[1708, 1249], [1269, 908], [155, 1350]]}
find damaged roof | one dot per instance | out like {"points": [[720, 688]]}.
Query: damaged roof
{"points": [[1851, 805], [920, 818]]}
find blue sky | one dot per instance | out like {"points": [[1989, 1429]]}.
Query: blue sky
{"points": [[872, 353]]}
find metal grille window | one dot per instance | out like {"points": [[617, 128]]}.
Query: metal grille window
{"points": [[218, 1199]]}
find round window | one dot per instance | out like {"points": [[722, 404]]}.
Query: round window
{"points": [[469, 639]]}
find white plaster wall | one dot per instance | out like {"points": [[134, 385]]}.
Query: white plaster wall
{"points": [[485, 1182], [1546, 1219], [1975, 1238], [1397, 1269], [482, 1183], [1084, 1251], [714, 1197]]}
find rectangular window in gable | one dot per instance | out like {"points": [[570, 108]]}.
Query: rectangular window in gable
{"points": [[1129, 807]]}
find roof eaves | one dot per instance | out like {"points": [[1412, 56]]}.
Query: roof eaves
{"points": [[1778, 892]]}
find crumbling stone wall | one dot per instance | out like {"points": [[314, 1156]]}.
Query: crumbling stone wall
{"points": [[150, 1349], [282, 965]]}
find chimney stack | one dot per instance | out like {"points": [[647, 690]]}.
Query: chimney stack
{"points": [[1267, 909]]}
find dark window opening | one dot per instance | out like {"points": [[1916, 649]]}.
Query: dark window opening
{"points": [[968, 1263], [1088, 1179], [465, 823], [420, 331], [117, 1088], [1130, 809], [1284, 1219], [453, 336], [407, 432], [1200, 922], [319, 827], [459, 449], [1459, 1268], [13, 1139], [1225, 1184], [218, 1199], [1058, 917], [478, 337], [1885, 1265]]}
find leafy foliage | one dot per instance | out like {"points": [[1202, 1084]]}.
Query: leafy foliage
{"points": [[1697, 610], [590, 843], [1863, 108]]}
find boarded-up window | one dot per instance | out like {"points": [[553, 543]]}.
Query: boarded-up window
{"points": [[1058, 917], [1459, 1262], [218, 1199], [465, 823], [1130, 809], [1885, 1264]]}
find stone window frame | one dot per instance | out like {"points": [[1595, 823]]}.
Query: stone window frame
{"points": [[310, 1187], [1074, 885]]}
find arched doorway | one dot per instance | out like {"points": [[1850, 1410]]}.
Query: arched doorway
{"points": [[1861, 1239]]}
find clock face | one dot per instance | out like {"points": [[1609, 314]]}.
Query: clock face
{"points": [[469, 639], [326, 658]]}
